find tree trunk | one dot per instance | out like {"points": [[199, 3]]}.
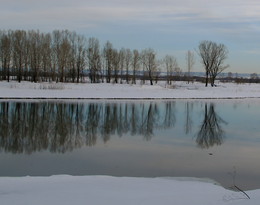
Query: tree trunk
{"points": [[207, 79]]}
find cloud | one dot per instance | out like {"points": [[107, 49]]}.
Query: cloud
{"points": [[200, 17], [135, 10], [138, 11]]}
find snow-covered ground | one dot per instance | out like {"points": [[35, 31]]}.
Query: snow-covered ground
{"points": [[127, 91], [99, 190]]}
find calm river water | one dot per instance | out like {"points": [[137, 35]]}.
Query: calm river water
{"points": [[218, 139]]}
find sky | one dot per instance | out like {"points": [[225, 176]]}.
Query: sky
{"points": [[168, 26]]}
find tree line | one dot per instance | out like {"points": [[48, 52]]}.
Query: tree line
{"points": [[35, 56], [65, 56]]}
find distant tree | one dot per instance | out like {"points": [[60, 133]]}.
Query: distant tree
{"points": [[178, 73], [171, 65], [115, 64], [94, 61], [229, 76], [63, 51], [213, 56], [128, 59], [190, 59], [122, 54], [19, 40], [81, 54], [35, 55], [254, 78], [5, 54], [108, 55], [135, 64], [46, 53], [72, 72], [149, 63], [78, 57]]}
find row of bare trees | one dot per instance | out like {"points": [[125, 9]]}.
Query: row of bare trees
{"points": [[64, 56], [35, 56]]}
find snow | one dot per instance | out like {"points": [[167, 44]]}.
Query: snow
{"points": [[67, 190], [99, 190], [179, 90]]}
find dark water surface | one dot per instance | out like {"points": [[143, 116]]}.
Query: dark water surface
{"points": [[217, 139]]}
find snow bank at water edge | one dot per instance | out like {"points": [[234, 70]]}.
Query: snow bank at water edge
{"points": [[67, 190]]}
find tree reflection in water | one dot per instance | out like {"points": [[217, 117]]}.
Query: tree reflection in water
{"points": [[211, 132], [27, 127]]}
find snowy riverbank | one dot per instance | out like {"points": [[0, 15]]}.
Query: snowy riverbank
{"points": [[179, 90], [98, 190]]}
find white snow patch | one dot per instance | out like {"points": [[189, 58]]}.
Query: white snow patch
{"points": [[180, 90], [67, 190]]}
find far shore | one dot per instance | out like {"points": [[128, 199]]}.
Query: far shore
{"points": [[103, 91]]}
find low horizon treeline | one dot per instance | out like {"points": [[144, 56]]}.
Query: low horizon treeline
{"points": [[65, 56]]}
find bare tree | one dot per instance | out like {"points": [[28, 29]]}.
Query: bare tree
{"points": [[135, 64], [81, 57], [72, 71], [35, 54], [171, 65], [26, 70], [94, 61], [128, 59], [115, 63], [108, 55], [65, 49], [18, 38], [46, 53], [149, 63], [5, 54], [213, 56], [190, 62], [122, 55]]}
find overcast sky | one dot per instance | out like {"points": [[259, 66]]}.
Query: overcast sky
{"points": [[168, 26]]}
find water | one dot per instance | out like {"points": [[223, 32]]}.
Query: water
{"points": [[217, 139]]}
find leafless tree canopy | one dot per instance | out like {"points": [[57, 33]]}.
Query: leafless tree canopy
{"points": [[171, 66], [213, 56], [149, 63]]}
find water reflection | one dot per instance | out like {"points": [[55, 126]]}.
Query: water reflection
{"points": [[188, 120], [211, 132], [27, 127]]}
